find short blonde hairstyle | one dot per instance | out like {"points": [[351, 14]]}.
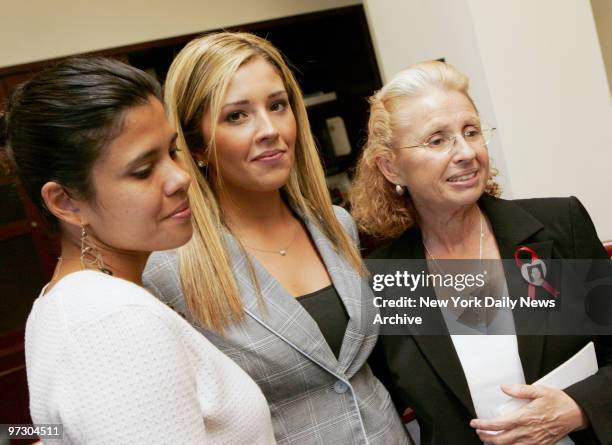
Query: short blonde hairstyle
{"points": [[378, 210], [197, 82]]}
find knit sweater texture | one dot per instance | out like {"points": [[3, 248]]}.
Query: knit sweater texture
{"points": [[113, 364]]}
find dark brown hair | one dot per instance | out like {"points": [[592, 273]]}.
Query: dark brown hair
{"points": [[57, 124]]}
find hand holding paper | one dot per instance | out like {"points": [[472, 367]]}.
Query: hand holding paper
{"points": [[549, 416], [541, 413]]}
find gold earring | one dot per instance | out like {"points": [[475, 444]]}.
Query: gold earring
{"points": [[399, 190], [201, 163], [90, 255]]}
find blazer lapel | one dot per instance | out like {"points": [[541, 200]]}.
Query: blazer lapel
{"points": [[514, 228], [350, 287], [277, 310], [438, 349], [530, 346]]}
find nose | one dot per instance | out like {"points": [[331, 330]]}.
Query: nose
{"points": [[462, 150], [266, 129], [177, 179]]}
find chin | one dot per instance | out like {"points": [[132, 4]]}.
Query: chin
{"points": [[466, 198], [272, 184], [175, 239]]}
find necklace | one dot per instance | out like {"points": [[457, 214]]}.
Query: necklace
{"points": [[478, 318], [480, 246], [281, 252]]}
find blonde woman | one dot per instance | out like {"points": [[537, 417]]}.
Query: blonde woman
{"points": [[273, 276], [425, 185]]}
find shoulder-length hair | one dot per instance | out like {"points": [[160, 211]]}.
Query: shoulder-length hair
{"points": [[197, 83], [377, 208]]}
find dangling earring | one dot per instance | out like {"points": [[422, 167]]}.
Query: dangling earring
{"points": [[90, 255], [399, 190], [201, 163]]}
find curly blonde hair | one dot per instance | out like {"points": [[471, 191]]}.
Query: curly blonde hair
{"points": [[378, 210]]}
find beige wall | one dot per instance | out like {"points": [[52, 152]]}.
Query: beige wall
{"points": [[41, 29], [550, 94], [602, 12], [537, 68]]}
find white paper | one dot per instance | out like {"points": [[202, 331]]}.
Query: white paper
{"points": [[580, 366]]}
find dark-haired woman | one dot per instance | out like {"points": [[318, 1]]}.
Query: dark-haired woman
{"points": [[105, 358]]}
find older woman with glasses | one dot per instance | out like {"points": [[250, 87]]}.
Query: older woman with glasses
{"points": [[425, 184]]}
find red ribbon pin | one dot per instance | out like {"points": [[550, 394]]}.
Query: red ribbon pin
{"points": [[533, 271]]}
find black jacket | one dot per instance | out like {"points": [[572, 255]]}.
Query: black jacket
{"points": [[424, 372]]}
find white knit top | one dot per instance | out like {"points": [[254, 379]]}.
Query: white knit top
{"points": [[115, 365]]}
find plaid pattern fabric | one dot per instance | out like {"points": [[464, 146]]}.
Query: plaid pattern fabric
{"points": [[314, 398]]}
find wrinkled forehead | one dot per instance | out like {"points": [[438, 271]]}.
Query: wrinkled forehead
{"points": [[433, 108]]}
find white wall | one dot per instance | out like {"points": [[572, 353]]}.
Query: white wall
{"points": [[33, 30], [536, 68], [549, 90]]}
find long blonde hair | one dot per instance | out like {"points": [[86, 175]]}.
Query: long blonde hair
{"points": [[197, 82], [378, 210]]}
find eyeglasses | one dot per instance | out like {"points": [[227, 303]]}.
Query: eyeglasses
{"points": [[443, 143]]}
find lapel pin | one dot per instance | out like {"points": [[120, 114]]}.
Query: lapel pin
{"points": [[533, 271]]}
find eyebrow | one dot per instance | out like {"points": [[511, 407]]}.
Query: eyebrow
{"points": [[151, 153], [438, 127], [244, 102]]}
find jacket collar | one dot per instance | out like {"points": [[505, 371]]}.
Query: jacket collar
{"points": [[279, 312], [514, 228], [512, 225]]}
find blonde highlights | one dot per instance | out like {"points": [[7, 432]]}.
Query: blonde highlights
{"points": [[197, 82], [378, 210]]}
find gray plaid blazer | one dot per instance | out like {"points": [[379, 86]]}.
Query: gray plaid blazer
{"points": [[314, 398]]}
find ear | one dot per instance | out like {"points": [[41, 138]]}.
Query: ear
{"points": [[61, 205], [387, 165]]}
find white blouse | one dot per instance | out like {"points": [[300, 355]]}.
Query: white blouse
{"points": [[488, 361]]}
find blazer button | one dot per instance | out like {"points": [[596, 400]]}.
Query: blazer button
{"points": [[340, 387]]}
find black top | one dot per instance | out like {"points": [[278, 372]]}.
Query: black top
{"points": [[325, 306]]}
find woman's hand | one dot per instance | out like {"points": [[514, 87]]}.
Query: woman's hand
{"points": [[550, 415]]}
